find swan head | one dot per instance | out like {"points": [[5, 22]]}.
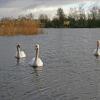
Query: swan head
{"points": [[37, 46]]}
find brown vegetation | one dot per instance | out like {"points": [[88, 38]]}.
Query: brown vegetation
{"points": [[20, 26]]}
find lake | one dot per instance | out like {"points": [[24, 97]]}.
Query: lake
{"points": [[70, 70]]}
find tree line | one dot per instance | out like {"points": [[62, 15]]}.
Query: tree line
{"points": [[77, 18]]}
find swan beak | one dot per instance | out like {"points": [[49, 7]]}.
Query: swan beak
{"points": [[18, 45], [35, 47]]}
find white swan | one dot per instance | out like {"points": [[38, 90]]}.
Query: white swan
{"points": [[20, 53], [97, 50], [36, 61]]}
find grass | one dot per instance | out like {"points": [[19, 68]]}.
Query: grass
{"points": [[10, 27]]}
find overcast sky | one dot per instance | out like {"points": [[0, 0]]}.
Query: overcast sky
{"points": [[21, 7]]}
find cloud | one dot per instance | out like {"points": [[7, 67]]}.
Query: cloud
{"points": [[20, 7]]}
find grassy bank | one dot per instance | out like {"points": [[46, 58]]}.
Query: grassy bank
{"points": [[20, 26]]}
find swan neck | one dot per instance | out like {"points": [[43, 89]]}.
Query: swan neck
{"points": [[18, 51], [97, 45], [97, 49], [37, 53]]}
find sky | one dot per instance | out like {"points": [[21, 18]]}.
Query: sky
{"points": [[15, 8]]}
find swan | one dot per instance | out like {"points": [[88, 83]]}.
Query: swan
{"points": [[36, 61], [97, 50], [20, 53]]}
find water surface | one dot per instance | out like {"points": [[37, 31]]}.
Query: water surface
{"points": [[70, 70]]}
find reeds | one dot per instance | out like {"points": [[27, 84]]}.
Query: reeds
{"points": [[20, 26]]}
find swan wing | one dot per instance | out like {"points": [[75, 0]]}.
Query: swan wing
{"points": [[22, 54], [31, 63], [39, 62], [96, 53]]}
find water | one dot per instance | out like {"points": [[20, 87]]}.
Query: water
{"points": [[70, 70]]}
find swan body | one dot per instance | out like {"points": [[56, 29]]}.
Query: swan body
{"points": [[20, 53], [36, 61], [97, 50]]}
